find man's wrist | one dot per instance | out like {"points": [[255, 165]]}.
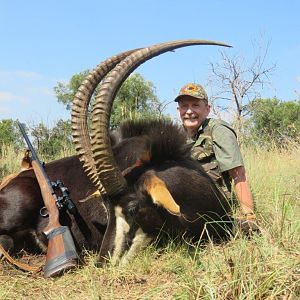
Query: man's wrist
{"points": [[249, 216]]}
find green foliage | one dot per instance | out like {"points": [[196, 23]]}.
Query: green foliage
{"points": [[275, 120], [135, 99], [65, 92], [49, 142], [10, 134], [10, 160]]}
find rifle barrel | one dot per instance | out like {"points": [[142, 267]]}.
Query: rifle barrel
{"points": [[34, 157], [22, 129]]}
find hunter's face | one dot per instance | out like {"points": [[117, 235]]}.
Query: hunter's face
{"points": [[192, 112]]}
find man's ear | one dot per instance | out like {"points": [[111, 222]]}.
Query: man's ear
{"points": [[178, 111], [208, 108]]}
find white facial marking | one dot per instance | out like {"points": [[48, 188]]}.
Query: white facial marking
{"points": [[141, 241], [122, 228]]}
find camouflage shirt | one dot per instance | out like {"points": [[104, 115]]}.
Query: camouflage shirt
{"points": [[215, 147]]}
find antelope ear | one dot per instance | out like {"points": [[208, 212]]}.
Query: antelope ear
{"points": [[160, 194], [144, 158], [26, 161], [95, 195]]}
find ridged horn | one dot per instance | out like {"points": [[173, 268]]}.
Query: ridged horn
{"points": [[79, 114], [108, 172]]}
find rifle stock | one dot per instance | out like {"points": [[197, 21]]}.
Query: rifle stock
{"points": [[49, 198], [61, 251]]}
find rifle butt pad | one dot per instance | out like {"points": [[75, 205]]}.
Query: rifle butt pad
{"points": [[61, 252]]}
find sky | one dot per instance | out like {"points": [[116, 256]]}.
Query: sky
{"points": [[45, 42]]}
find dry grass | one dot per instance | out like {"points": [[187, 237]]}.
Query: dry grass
{"points": [[263, 267]]}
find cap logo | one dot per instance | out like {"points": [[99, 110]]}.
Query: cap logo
{"points": [[190, 88], [194, 90]]}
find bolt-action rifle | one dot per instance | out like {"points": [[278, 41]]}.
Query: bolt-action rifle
{"points": [[61, 251]]}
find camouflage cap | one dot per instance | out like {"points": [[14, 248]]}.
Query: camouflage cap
{"points": [[192, 89]]}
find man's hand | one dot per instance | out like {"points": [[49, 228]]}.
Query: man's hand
{"points": [[247, 223]]}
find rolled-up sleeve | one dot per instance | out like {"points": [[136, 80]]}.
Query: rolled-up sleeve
{"points": [[226, 148]]}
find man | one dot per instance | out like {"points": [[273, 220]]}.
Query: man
{"points": [[215, 147]]}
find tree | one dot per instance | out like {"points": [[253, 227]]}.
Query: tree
{"points": [[276, 121], [10, 134], [65, 92], [238, 83], [135, 99], [50, 142]]}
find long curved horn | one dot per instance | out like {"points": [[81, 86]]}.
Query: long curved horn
{"points": [[108, 172], [79, 114]]}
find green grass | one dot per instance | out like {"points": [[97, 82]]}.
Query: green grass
{"points": [[9, 161], [264, 267]]}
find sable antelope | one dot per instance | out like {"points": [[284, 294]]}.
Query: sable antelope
{"points": [[147, 179], [147, 176], [135, 182]]}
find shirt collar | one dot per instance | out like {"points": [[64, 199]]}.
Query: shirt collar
{"points": [[200, 129]]}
